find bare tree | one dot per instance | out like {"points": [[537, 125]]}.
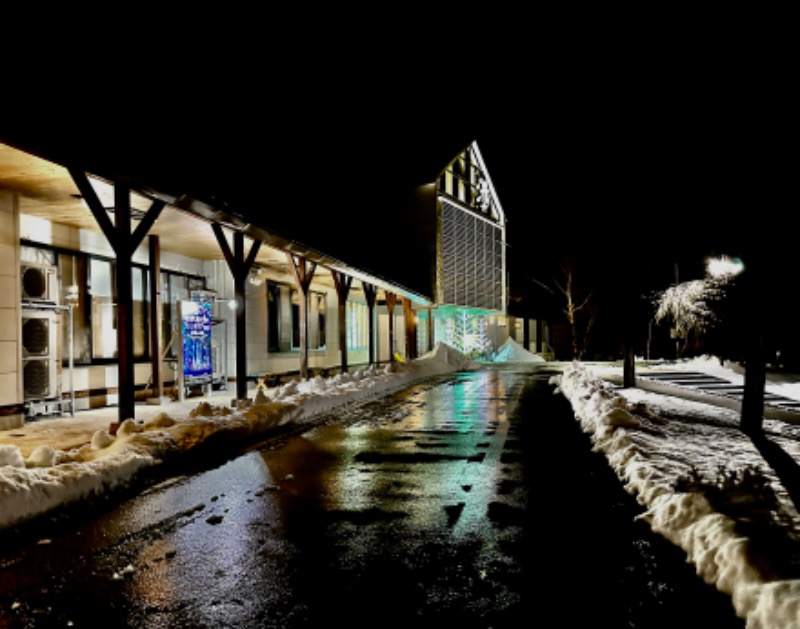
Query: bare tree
{"points": [[579, 307]]}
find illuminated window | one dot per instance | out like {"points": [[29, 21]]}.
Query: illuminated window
{"points": [[357, 325], [317, 319], [273, 317], [73, 270], [104, 312]]}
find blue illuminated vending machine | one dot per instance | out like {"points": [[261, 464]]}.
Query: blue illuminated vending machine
{"points": [[196, 324]]}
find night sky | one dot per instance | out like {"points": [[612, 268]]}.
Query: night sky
{"points": [[612, 163]]}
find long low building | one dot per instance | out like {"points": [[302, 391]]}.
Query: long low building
{"points": [[117, 287]]}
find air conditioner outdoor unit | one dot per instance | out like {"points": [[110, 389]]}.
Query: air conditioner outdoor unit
{"points": [[39, 283], [41, 356]]}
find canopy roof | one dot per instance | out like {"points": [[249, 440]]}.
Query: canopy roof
{"points": [[308, 189]]}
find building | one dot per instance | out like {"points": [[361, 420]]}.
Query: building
{"points": [[107, 276]]}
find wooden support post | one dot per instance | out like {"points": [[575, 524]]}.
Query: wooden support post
{"points": [[430, 329], [124, 243], [410, 320], [755, 376], [371, 294], [628, 366], [303, 273], [342, 283], [239, 292], [155, 316], [239, 267], [391, 300], [124, 280]]}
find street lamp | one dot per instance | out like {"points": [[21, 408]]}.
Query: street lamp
{"points": [[723, 266]]}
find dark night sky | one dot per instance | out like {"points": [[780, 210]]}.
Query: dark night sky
{"points": [[631, 150], [605, 161]]}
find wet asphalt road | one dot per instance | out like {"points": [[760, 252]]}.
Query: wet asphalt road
{"points": [[471, 500]]}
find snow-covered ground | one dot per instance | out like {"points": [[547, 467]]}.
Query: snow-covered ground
{"points": [[703, 483], [698, 477], [50, 477]]}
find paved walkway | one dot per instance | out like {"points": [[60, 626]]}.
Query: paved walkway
{"points": [[67, 432]]}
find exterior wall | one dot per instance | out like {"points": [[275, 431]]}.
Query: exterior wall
{"points": [[41, 231], [259, 360], [471, 266], [10, 314], [383, 352], [95, 386], [499, 328]]}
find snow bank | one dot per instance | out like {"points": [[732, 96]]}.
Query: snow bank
{"points": [[50, 477], [513, 352], [631, 437]]}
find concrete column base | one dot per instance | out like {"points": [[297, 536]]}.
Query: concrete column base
{"points": [[10, 422]]}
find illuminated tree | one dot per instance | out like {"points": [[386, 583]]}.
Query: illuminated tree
{"points": [[701, 312], [467, 332], [483, 344], [688, 307]]}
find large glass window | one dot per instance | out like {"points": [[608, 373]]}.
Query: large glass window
{"points": [[104, 314], [273, 317], [88, 283], [357, 325], [174, 287], [140, 313], [104, 310], [320, 309], [73, 292], [295, 301], [317, 319]]}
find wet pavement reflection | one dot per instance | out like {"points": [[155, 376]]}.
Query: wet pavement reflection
{"points": [[413, 508]]}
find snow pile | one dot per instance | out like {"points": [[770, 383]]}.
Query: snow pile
{"points": [[648, 457], [513, 352], [50, 478], [442, 359]]}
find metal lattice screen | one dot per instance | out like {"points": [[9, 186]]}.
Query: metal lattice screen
{"points": [[472, 260]]}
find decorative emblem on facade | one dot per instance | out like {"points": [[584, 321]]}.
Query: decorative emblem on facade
{"points": [[482, 200]]}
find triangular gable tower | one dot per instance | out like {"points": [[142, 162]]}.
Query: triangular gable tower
{"points": [[471, 236]]}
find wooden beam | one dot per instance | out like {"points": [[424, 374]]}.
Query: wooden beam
{"points": [[391, 300], [93, 201], [303, 273], [239, 267], [371, 294], [410, 320], [124, 281], [430, 329], [155, 316], [240, 290], [343, 283], [146, 223], [124, 243], [224, 246]]}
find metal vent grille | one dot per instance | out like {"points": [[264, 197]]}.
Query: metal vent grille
{"points": [[40, 354], [34, 283], [39, 282], [37, 378], [472, 260], [35, 337]]}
